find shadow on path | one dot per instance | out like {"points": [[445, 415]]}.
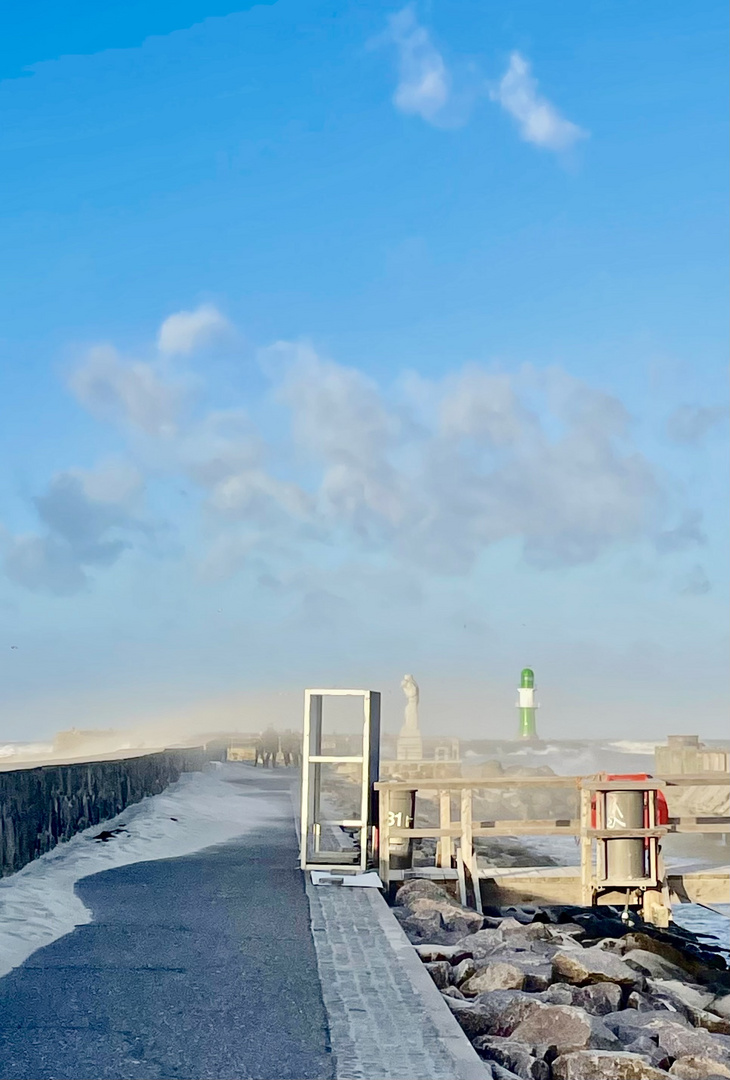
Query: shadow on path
{"points": [[198, 968]]}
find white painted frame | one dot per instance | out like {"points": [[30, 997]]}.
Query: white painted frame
{"points": [[313, 759]]}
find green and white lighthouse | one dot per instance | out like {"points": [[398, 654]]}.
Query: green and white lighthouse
{"points": [[526, 704]]}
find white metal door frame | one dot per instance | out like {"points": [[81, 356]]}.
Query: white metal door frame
{"points": [[312, 761]]}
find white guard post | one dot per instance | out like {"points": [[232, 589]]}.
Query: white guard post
{"points": [[312, 857]]}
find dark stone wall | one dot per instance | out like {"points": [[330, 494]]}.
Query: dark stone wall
{"points": [[43, 806]]}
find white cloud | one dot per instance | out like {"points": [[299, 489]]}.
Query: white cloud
{"points": [[427, 475], [186, 331], [691, 423], [129, 392], [539, 121], [423, 79]]}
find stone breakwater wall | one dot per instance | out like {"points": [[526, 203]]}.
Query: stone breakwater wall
{"points": [[40, 807], [573, 993]]}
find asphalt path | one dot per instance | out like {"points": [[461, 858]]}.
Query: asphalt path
{"points": [[199, 968]]}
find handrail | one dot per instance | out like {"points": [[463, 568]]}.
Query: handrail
{"points": [[592, 831]]}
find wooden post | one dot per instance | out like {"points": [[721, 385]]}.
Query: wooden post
{"points": [[586, 849], [467, 844], [445, 848], [384, 836], [461, 875]]}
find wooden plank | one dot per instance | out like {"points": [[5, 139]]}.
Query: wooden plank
{"points": [[706, 779], [461, 875], [331, 759], [458, 783], [625, 834], [445, 849], [589, 784], [724, 828]]}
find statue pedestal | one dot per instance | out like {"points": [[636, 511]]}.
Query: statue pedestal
{"points": [[409, 746]]}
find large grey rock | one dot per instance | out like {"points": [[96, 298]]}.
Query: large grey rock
{"points": [[583, 966], [653, 965], [603, 1065], [425, 926], [507, 1009], [463, 971], [694, 1067], [717, 1025], [629, 1024], [473, 1018], [721, 1006], [440, 972], [532, 932], [699, 967], [680, 1041], [419, 889], [646, 1046], [566, 1028], [432, 952], [679, 992], [494, 976], [454, 917], [512, 1055], [483, 943], [599, 999]]}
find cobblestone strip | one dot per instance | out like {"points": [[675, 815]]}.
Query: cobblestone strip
{"points": [[387, 1019]]}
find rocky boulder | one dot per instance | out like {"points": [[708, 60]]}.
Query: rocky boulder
{"points": [[717, 1025], [693, 1067], [420, 889], [494, 976], [425, 926], [646, 1046], [483, 943], [680, 1041], [507, 1009], [721, 1006], [652, 964], [431, 952], [513, 1056], [566, 1028], [697, 963], [453, 992], [463, 971], [629, 1024], [473, 1018], [593, 965], [440, 972], [680, 993], [598, 999], [602, 1065], [454, 918]]}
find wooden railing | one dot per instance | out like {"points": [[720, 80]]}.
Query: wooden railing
{"points": [[456, 838]]}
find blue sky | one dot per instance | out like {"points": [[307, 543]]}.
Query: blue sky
{"points": [[342, 340]]}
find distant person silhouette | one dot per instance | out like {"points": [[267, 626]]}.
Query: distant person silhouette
{"points": [[270, 746]]}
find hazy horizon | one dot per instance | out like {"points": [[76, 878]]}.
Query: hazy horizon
{"points": [[347, 341]]}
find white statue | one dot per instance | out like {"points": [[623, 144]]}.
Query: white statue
{"points": [[410, 689], [410, 744]]}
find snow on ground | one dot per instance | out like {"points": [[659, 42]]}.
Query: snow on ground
{"points": [[38, 904]]}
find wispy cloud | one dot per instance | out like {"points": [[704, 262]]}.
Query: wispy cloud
{"points": [[186, 331], [539, 121], [425, 475], [424, 83], [691, 423]]}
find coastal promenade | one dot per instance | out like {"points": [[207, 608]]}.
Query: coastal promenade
{"points": [[211, 965]]}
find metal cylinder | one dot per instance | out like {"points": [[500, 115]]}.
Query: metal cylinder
{"points": [[402, 815], [625, 859]]}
